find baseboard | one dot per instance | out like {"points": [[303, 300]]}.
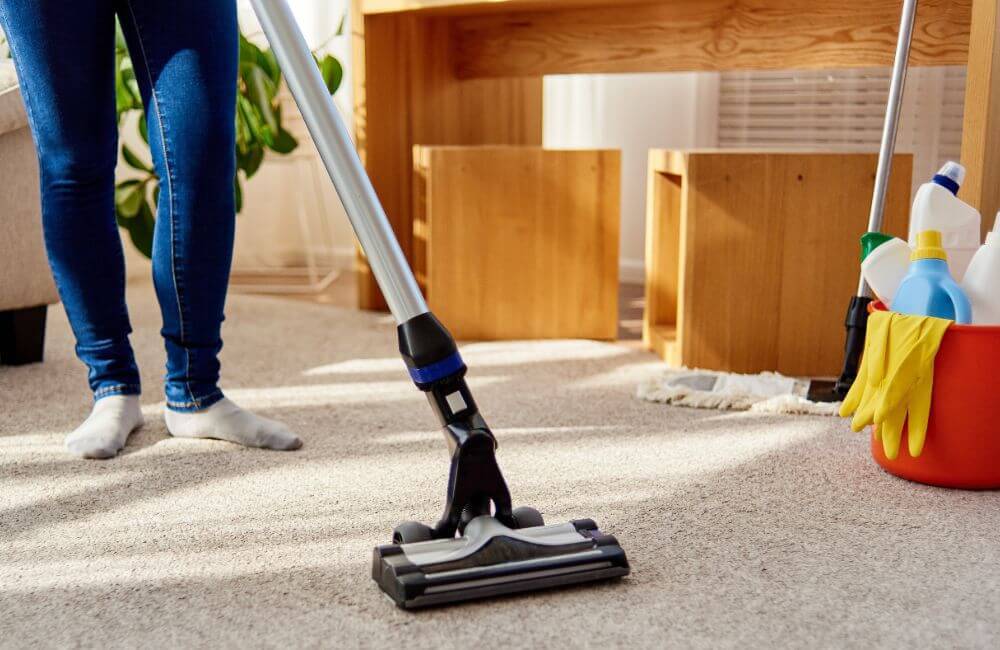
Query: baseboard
{"points": [[631, 271]]}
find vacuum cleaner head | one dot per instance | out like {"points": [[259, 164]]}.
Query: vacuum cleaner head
{"points": [[491, 559]]}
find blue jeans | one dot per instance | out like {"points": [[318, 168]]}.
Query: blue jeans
{"points": [[185, 54]]}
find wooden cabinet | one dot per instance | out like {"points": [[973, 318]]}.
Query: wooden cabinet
{"points": [[751, 258], [518, 242]]}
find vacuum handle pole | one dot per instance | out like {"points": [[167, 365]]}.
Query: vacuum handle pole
{"points": [[337, 151], [891, 125]]}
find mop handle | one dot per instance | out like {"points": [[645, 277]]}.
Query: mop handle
{"points": [[388, 264], [891, 125]]}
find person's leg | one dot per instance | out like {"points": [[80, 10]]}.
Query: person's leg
{"points": [[186, 53], [64, 55]]}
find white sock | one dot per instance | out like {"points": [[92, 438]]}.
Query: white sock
{"points": [[104, 432], [226, 421]]}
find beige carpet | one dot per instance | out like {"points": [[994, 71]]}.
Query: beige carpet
{"points": [[743, 530]]}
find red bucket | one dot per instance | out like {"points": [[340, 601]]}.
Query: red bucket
{"points": [[962, 448]]}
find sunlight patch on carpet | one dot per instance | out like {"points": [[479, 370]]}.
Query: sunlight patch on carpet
{"points": [[677, 455], [271, 397], [628, 373], [20, 494], [169, 566], [489, 354]]}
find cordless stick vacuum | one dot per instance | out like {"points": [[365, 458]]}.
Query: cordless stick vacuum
{"points": [[856, 321], [481, 546]]}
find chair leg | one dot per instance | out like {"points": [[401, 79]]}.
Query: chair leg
{"points": [[22, 335]]}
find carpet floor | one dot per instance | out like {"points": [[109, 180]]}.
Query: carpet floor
{"points": [[742, 530]]}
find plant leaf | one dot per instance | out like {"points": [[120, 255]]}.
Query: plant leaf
{"points": [[269, 62], [140, 229], [251, 161], [143, 127], [244, 137], [120, 44], [332, 71], [134, 161], [239, 193], [251, 54], [247, 53], [128, 197], [262, 91], [128, 78], [285, 143], [123, 95], [261, 132]]}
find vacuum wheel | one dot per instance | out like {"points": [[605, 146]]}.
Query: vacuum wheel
{"points": [[527, 517], [409, 532]]}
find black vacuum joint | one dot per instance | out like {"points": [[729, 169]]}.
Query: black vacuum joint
{"points": [[424, 341]]}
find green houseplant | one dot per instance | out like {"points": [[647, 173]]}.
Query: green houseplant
{"points": [[259, 129]]}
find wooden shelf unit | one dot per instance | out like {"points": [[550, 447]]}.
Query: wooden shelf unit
{"points": [[751, 258], [518, 242]]}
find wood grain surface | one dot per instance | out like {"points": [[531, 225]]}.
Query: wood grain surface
{"points": [[467, 7], [521, 242], [407, 94], [687, 35], [760, 253], [981, 127]]}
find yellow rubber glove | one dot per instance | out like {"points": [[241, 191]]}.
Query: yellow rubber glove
{"points": [[902, 372], [895, 379]]}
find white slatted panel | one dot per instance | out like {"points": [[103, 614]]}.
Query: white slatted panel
{"points": [[843, 110]]}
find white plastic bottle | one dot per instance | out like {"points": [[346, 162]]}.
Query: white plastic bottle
{"points": [[982, 280], [935, 207], [885, 267]]}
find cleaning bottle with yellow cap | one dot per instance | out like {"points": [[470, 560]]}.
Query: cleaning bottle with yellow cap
{"points": [[928, 288]]}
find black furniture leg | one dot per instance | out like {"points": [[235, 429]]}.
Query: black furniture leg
{"points": [[22, 335]]}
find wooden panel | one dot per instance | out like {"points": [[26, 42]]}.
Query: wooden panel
{"points": [[981, 128], [382, 130], [467, 7], [729, 279], [358, 86], [826, 214], [769, 256], [522, 242], [666, 205], [685, 35], [407, 95], [663, 236]]}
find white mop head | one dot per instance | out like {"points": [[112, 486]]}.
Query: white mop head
{"points": [[767, 392]]}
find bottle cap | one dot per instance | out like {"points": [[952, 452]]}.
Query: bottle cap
{"points": [[950, 177], [954, 171], [929, 246], [870, 241]]}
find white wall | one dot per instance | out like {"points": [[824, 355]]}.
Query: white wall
{"points": [[633, 113]]}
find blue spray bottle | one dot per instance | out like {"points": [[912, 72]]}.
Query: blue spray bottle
{"points": [[928, 288]]}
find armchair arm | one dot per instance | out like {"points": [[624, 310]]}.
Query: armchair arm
{"points": [[12, 113]]}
